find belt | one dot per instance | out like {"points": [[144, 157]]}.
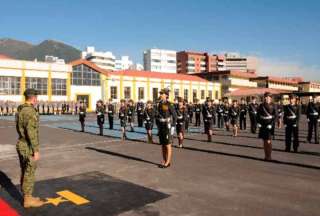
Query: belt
{"points": [[292, 117], [314, 114], [164, 119], [267, 117]]}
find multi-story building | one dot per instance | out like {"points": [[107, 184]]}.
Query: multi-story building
{"points": [[54, 59], [309, 86], [137, 66], [231, 80], [124, 63], [202, 62], [278, 83], [105, 60], [160, 60]]}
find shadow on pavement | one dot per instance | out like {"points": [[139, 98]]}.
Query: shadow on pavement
{"points": [[9, 187], [121, 155]]}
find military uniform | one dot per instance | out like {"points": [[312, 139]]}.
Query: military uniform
{"points": [[266, 116], [140, 113], [226, 116], [148, 116], [181, 119], [313, 118], [100, 118], [208, 113], [82, 116], [190, 111], [253, 107], [220, 111], [166, 117], [197, 109], [234, 115], [123, 116], [111, 112], [130, 116], [291, 121], [243, 116]]}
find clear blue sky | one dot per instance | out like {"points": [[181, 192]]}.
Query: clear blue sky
{"points": [[286, 30]]}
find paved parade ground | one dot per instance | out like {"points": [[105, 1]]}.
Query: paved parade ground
{"points": [[86, 174]]}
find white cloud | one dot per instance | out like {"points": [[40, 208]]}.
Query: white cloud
{"points": [[275, 67]]}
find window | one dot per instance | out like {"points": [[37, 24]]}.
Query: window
{"points": [[141, 93], [202, 94], [171, 61], [59, 87], [217, 94], [127, 92], [113, 92], [210, 94], [9, 85], [155, 94], [194, 95], [40, 84], [176, 93], [155, 60], [186, 94], [84, 75]]}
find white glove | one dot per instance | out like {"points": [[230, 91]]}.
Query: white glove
{"points": [[259, 125], [172, 131]]}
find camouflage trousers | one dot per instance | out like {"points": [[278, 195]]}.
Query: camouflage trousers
{"points": [[28, 168]]}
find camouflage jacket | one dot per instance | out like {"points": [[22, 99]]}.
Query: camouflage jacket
{"points": [[27, 125]]}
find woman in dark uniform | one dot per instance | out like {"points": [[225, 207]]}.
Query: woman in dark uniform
{"points": [[267, 113], [226, 116], [182, 113], [208, 112], [82, 115], [234, 115], [148, 116], [100, 116], [130, 114], [123, 118], [166, 117]]}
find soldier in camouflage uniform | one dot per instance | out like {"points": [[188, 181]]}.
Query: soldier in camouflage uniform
{"points": [[27, 125]]}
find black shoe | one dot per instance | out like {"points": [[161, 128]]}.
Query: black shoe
{"points": [[295, 150], [164, 167]]}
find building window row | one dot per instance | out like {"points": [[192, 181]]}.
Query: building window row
{"points": [[59, 87], [9, 85], [40, 84], [83, 75]]}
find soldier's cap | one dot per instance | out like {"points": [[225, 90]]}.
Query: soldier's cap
{"points": [[122, 100], [292, 96], [99, 101], [30, 92], [165, 91], [149, 102], [180, 99], [253, 97], [267, 94]]}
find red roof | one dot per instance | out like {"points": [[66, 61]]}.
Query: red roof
{"points": [[277, 79], [235, 73], [3, 56], [254, 91], [136, 73], [158, 75]]}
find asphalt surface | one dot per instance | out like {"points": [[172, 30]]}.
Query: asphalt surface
{"points": [[109, 177]]}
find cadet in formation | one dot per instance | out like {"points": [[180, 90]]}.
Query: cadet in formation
{"points": [[100, 110], [253, 107], [140, 113], [208, 112], [27, 125], [234, 115], [130, 115], [267, 114], [149, 120], [166, 118], [220, 111], [313, 110], [291, 122], [111, 111], [197, 110], [123, 118], [226, 116], [82, 115], [243, 114], [182, 113]]}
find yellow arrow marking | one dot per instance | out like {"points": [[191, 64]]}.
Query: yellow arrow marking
{"points": [[72, 197], [56, 201]]}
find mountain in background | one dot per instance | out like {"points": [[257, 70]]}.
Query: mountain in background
{"points": [[26, 51]]}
